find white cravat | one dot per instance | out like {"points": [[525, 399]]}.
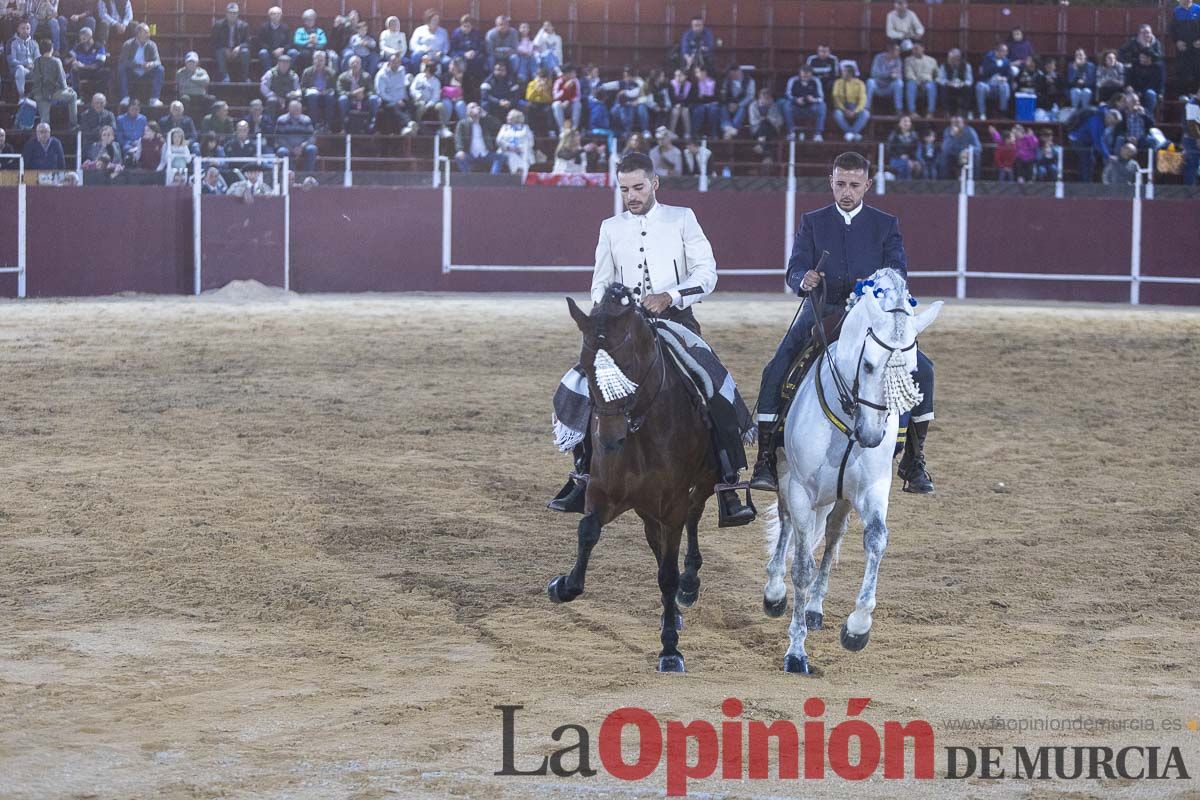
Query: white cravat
{"points": [[849, 216]]}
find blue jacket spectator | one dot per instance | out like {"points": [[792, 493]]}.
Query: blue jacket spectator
{"points": [[697, 45], [130, 126], [1091, 136], [44, 151], [467, 42]]}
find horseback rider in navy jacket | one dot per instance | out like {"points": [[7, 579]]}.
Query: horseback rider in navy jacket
{"points": [[859, 240]]}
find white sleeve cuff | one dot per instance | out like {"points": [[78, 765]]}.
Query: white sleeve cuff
{"points": [[676, 298]]}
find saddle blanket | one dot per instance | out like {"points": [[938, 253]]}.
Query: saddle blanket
{"points": [[573, 405]]}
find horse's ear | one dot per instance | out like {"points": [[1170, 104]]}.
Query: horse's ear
{"points": [[925, 318], [878, 315], [581, 319]]}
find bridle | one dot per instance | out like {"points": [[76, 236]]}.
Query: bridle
{"points": [[625, 407]]}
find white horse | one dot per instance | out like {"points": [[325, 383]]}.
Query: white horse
{"points": [[839, 440]]}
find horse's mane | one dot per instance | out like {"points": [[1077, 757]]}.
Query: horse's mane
{"points": [[616, 297]]}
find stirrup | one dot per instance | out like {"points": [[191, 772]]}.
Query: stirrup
{"points": [[571, 496], [744, 515]]}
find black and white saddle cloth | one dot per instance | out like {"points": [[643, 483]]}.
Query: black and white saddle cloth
{"points": [[573, 405]]}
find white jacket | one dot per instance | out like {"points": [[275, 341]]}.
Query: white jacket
{"points": [[673, 254]]}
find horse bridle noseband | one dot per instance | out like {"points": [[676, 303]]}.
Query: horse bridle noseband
{"points": [[632, 423]]}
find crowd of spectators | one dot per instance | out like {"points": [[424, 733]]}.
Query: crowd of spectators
{"points": [[492, 94]]}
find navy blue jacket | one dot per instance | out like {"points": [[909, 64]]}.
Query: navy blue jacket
{"points": [[870, 242], [48, 157]]}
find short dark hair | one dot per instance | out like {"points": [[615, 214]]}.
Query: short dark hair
{"points": [[635, 161], [852, 162]]}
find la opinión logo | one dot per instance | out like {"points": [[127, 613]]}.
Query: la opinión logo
{"points": [[741, 749]]}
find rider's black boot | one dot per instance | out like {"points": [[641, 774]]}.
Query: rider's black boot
{"points": [[731, 511], [912, 464], [570, 498], [764, 477]]}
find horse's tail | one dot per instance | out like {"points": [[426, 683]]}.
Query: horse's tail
{"points": [[773, 527]]}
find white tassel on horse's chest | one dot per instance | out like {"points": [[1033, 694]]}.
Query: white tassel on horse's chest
{"points": [[900, 392], [612, 382]]}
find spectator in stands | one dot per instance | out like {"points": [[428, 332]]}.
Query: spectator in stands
{"points": [[658, 98], [467, 43], [1020, 49], [210, 147], [566, 98], [1026, 144], [628, 112], [887, 77], [666, 157], [1184, 29], [242, 145], [995, 76], [568, 156], [392, 89], [140, 60], [426, 93], [357, 99], [803, 104], [453, 88], [344, 26], [1090, 136], [634, 143], [1146, 77], [231, 39], [766, 119], [318, 89], [902, 144], [737, 93], [259, 121], [696, 159], [928, 154], [77, 15], [279, 86], [706, 108], [1191, 139], [89, 61], [1081, 79], [824, 66], [218, 122], [130, 126], [526, 61], [502, 43], [213, 183], [1045, 167], [1052, 87], [176, 118], [95, 117], [191, 85], [475, 141], [43, 151], [43, 15], [308, 39], [251, 184], [1028, 79], [392, 40], [920, 73], [147, 151], [1143, 42], [363, 45], [6, 149], [697, 47], [514, 141], [539, 94], [956, 83], [960, 144], [297, 137], [548, 48], [683, 97], [113, 16], [500, 94], [1123, 170], [47, 85], [274, 40], [22, 52], [903, 26], [1135, 126], [106, 145], [1110, 77], [430, 39], [1005, 156], [176, 156], [850, 103]]}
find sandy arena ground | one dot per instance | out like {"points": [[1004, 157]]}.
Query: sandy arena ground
{"points": [[297, 548]]}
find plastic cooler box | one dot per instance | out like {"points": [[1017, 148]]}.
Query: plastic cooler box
{"points": [[1026, 107]]}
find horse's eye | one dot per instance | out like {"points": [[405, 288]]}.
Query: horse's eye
{"points": [[868, 368]]}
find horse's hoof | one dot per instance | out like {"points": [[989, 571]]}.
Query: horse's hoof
{"points": [[687, 595], [557, 589], [796, 665], [678, 623], [671, 664], [775, 609], [854, 641], [814, 620]]}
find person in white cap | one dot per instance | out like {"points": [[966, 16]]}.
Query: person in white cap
{"points": [[191, 85], [231, 38], [666, 157]]}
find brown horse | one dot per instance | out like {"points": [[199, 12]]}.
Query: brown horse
{"points": [[652, 455]]}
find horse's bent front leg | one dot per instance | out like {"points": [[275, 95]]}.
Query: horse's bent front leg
{"points": [[566, 588], [670, 659], [835, 529], [689, 582], [856, 630]]}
